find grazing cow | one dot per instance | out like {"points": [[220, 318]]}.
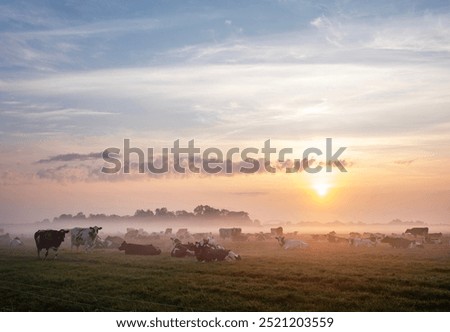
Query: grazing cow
{"points": [[277, 231], [139, 249], [84, 236], [417, 231], [16, 242], [5, 239], [291, 244], [358, 242], [46, 239], [397, 242]]}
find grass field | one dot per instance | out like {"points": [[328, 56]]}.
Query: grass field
{"points": [[324, 277]]}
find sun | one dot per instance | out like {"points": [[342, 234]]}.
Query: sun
{"points": [[321, 189]]}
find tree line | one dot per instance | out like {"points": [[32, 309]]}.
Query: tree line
{"points": [[201, 212]]}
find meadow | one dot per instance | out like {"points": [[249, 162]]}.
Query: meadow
{"points": [[323, 277]]}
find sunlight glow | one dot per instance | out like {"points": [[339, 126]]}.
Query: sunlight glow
{"points": [[321, 189]]}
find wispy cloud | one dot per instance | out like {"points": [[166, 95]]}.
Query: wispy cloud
{"points": [[71, 157], [55, 114]]}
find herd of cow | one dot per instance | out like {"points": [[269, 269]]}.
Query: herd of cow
{"points": [[206, 249]]}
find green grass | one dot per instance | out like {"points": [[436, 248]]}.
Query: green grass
{"points": [[324, 277]]}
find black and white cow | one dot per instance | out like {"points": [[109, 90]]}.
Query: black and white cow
{"points": [[84, 237], [182, 249], [46, 239], [205, 252]]}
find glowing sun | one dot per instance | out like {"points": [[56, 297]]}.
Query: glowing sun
{"points": [[321, 189]]}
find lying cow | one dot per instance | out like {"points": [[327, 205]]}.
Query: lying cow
{"points": [[359, 242], [46, 239], [113, 242], [205, 252], [139, 249], [16, 242], [291, 244], [182, 249], [86, 237]]}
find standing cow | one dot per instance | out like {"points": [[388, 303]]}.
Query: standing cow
{"points": [[84, 237], [46, 239], [417, 231], [397, 242]]}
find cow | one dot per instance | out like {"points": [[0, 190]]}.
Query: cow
{"points": [[336, 239], [207, 253], [182, 250], [291, 244], [319, 237], [5, 239], [397, 242], [46, 239], [231, 233], [434, 238], [277, 231], [139, 249], [113, 242], [232, 256], [16, 242], [182, 233], [417, 231], [84, 236], [358, 242]]}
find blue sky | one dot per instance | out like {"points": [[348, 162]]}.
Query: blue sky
{"points": [[78, 77]]}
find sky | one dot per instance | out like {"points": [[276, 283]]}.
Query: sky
{"points": [[79, 77]]}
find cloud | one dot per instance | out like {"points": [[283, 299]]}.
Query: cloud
{"points": [[72, 157], [87, 168], [352, 77], [57, 114], [405, 162]]}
